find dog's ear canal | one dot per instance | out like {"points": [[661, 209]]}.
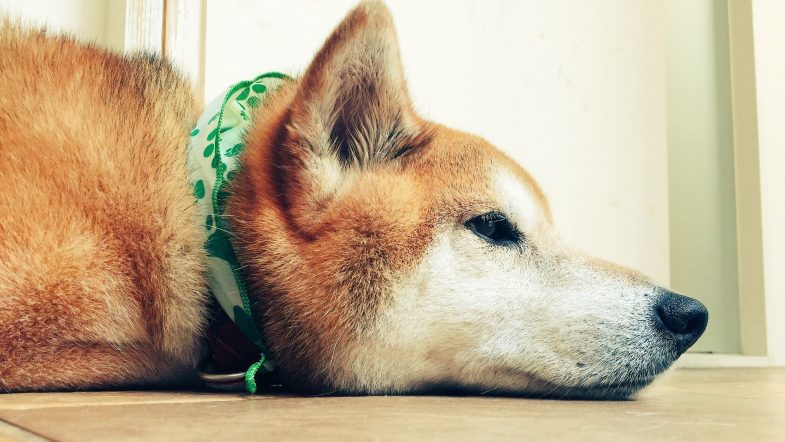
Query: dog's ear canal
{"points": [[353, 104]]}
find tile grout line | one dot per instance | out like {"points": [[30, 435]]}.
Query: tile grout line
{"points": [[28, 434]]}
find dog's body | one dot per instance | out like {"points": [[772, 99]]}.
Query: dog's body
{"points": [[100, 273], [382, 252]]}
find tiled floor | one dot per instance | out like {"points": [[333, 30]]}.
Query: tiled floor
{"points": [[714, 404]]}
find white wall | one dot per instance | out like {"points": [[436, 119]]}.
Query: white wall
{"points": [[98, 21], [769, 36], [700, 166], [574, 90]]}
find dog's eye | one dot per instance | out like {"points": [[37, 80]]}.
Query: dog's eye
{"points": [[494, 228]]}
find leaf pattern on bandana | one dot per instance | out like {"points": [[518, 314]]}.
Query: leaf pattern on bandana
{"points": [[214, 148]]}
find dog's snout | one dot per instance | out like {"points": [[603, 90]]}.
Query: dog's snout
{"points": [[683, 318]]}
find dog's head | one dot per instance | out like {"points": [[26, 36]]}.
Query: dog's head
{"points": [[388, 254]]}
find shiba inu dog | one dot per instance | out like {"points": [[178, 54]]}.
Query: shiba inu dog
{"points": [[382, 253]]}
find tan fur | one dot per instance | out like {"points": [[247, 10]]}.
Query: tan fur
{"points": [[100, 265], [342, 194], [327, 262], [100, 257]]}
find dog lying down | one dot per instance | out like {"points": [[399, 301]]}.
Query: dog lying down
{"points": [[360, 247]]}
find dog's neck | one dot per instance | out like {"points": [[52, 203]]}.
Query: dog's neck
{"points": [[213, 150]]}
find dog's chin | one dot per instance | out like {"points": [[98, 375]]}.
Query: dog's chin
{"points": [[625, 385], [534, 389], [625, 388], [615, 391]]}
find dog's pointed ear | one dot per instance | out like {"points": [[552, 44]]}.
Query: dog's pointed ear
{"points": [[352, 105]]}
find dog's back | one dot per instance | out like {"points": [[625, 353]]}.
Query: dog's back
{"points": [[99, 253]]}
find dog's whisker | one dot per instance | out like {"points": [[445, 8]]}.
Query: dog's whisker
{"points": [[327, 393], [226, 231], [488, 391]]}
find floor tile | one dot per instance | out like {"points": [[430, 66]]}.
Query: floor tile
{"points": [[10, 433], [716, 405]]}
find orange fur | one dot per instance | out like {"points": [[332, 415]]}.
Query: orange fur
{"points": [[100, 265], [325, 262], [100, 257]]}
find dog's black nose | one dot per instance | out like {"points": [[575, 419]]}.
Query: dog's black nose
{"points": [[682, 318]]}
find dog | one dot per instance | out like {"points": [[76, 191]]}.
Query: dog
{"points": [[381, 253]]}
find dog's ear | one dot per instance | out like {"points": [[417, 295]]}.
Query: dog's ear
{"points": [[352, 107]]}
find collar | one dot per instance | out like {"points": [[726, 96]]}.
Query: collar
{"points": [[213, 151]]}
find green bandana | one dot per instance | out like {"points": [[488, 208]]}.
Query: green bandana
{"points": [[213, 149]]}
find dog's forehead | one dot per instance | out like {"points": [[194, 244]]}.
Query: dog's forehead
{"points": [[519, 197], [467, 167]]}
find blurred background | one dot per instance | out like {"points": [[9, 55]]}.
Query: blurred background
{"points": [[656, 127]]}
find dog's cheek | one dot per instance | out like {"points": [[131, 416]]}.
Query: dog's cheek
{"points": [[441, 325]]}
